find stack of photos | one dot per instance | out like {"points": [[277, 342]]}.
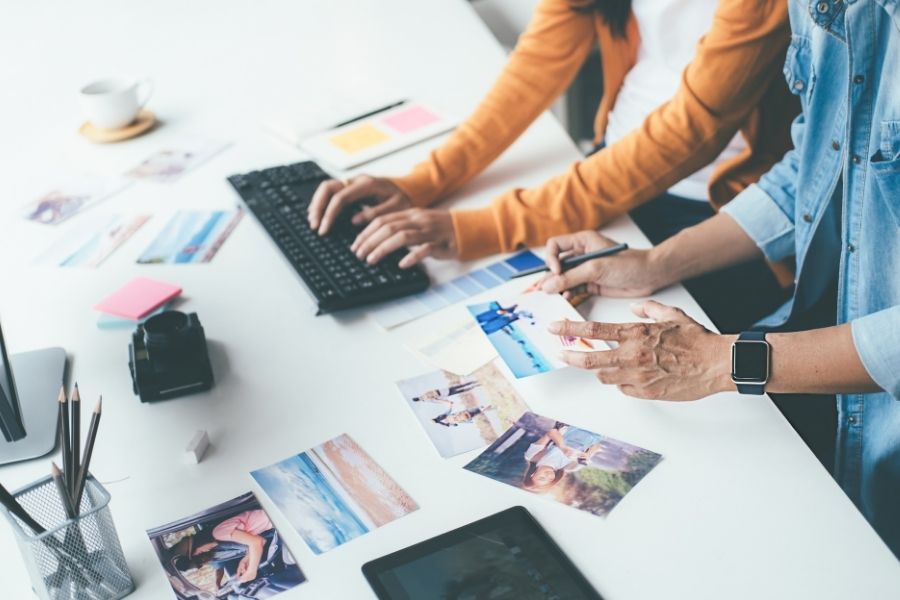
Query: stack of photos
{"points": [[230, 551], [334, 493], [573, 466], [517, 328], [462, 413]]}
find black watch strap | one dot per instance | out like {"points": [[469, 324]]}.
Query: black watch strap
{"points": [[754, 389]]}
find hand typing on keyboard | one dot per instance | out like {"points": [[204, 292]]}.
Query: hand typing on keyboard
{"points": [[425, 231], [279, 198], [333, 196]]}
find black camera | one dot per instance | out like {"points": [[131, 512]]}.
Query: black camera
{"points": [[168, 358]]}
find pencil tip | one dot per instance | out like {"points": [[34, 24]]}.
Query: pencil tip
{"points": [[62, 393], [54, 470], [99, 406], [76, 395]]}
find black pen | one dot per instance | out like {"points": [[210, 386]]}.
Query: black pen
{"points": [[573, 261], [369, 114]]}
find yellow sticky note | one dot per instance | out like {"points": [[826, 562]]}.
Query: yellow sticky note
{"points": [[359, 138]]}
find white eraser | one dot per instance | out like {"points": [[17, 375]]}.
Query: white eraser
{"points": [[195, 450]]}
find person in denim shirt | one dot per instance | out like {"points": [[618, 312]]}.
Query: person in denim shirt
{"points": [[833, 203]]}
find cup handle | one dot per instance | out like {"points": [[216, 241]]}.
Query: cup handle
{"points": [[144, 95]]}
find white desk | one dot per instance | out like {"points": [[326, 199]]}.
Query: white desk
{"points": [[738, 509]]}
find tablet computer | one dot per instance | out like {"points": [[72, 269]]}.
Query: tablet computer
{"points": [[507, 555]]}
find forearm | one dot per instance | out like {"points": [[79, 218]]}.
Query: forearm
{"points": [[546, 59], [818, 361], [714, 244]]}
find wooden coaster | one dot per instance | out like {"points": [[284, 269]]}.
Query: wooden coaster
{"points": [[143, 123]]}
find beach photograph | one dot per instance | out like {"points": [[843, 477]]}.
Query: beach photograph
{"points": [[333, 493], [572, 466], [230, 551], [463, 413], [191, 236], [517, 328]]}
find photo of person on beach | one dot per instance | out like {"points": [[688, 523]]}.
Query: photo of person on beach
{"points": [[462, 413], [517, 328]]}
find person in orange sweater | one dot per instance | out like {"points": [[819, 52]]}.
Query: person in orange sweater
{"points": [[694, 110]]}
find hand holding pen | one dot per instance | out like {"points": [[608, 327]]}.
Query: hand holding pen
{"points": [[617, 272]]}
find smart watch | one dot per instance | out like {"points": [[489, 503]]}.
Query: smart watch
{"points": [[750, 362]]}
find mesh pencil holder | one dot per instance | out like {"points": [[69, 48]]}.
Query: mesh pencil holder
{"points": [[75, 559]]}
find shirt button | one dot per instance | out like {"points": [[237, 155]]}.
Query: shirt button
{"points": [[856, 159], [835, 145], [851, 420], [858, 79], [851, 248], [822, 7], [807, 218], [799, 85]]}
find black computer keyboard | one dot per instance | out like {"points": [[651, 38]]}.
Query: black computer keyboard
{"points": [[278, 198]]}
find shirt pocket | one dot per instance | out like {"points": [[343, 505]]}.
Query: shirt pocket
{"points": [[885, 166], [798, 71]]}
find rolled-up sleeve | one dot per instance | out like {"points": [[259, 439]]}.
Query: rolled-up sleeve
{"points": [[877, 340], [764, 221]]}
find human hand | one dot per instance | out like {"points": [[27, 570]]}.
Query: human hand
{"points": [[672, 358], [628, 274], [428, 231], [333, 196], [242, 566]]}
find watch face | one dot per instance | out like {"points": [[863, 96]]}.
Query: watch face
{"points": [[750, 361]]}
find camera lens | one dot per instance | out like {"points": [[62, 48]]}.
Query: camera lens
{"points": [[164, 329]]}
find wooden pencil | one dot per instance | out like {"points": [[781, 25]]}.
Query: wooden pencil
{"points": [[72, 479], [88, 452], [63, 490], [13, 506], [65, 445]]}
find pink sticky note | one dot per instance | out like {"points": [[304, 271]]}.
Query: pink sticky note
{"points": [[137, 298], [410, 119]]}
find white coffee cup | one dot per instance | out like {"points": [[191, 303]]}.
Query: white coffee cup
{"points": [[115, 102]]}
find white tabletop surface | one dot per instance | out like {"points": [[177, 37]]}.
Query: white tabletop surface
{"points": [[739, 508]]}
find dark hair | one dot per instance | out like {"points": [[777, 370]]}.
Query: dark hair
{"points": [[614, 12], [442, 420], [528, 479], [183, 563]]}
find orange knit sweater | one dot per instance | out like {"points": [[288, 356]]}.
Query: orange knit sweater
{"points": [[733, 83]]}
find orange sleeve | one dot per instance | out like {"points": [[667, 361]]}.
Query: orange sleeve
{"points": [[734, 65], [546, 59]]}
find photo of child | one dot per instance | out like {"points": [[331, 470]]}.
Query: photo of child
{"points": [[230, 551], [462, 413], [333, 493], [517, 328], [576, 467]]}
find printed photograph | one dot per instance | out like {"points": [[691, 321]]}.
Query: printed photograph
{"points": [[517, 328], [70, 196], [230, 552], [168, 164], [462, 413], [334, 493], [572, 466], [458, 347], [191, 236], [93, 242]]}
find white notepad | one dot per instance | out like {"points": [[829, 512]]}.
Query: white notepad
{"points": [[378, 135]]}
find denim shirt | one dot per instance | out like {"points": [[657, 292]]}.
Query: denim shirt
{"points": [[844, 64]]}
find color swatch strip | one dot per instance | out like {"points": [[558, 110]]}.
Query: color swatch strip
{"points": [[442, 295]]}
